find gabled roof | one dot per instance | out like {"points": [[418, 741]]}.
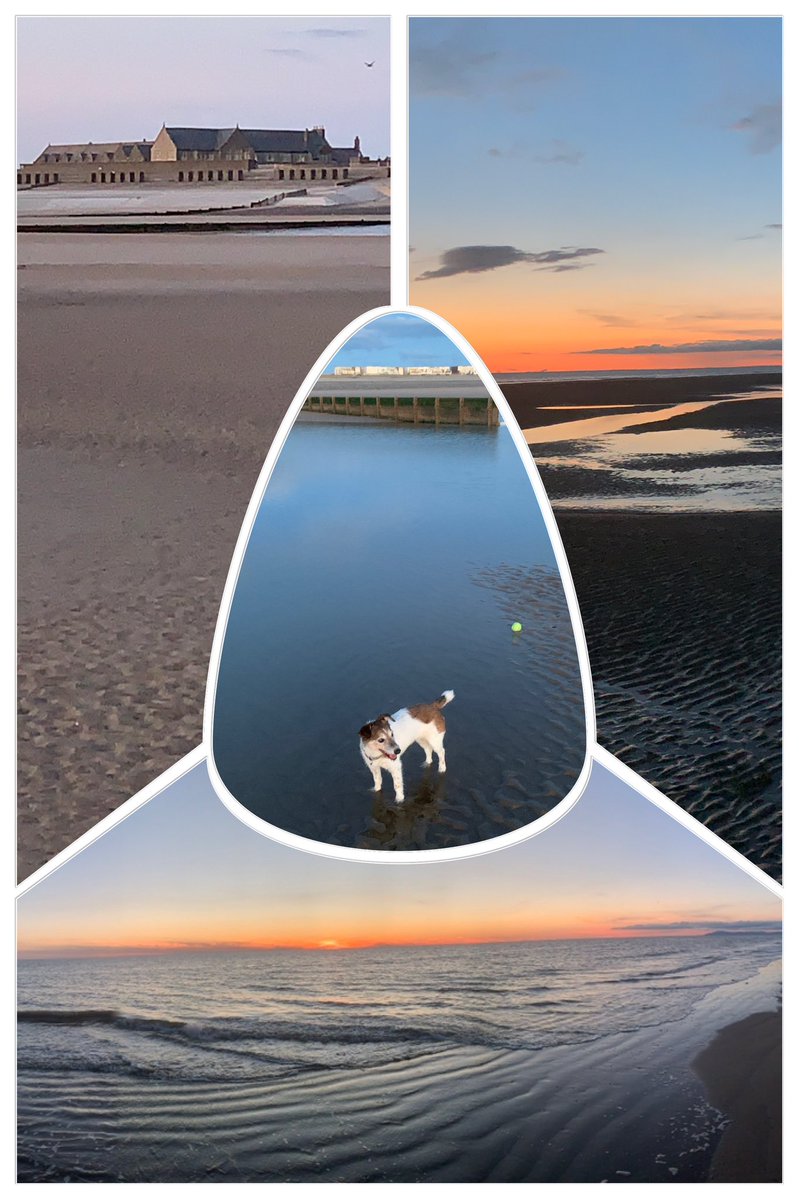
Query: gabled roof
{"points": [[186, 138]]}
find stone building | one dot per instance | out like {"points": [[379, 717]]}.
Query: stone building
{"points": [[181, 154]]}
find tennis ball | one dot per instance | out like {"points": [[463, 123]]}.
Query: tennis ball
{"points": [[516, 626]]}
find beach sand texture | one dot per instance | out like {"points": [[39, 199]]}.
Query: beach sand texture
{"points": [[153, 374], [682, 613], [742, 1073]]}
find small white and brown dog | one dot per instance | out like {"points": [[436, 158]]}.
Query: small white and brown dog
{"points": [[385, 739]]}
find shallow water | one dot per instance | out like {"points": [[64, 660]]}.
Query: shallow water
{"points": [[615, 462], [386, 565], [515, 1061]]}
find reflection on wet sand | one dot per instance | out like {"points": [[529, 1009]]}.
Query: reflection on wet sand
{"points": [[574, 430], [660, 461]]}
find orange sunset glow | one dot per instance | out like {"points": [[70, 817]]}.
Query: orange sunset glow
{"points": [[183, 874]]}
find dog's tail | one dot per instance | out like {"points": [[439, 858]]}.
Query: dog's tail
{"points": [[444, 699]]}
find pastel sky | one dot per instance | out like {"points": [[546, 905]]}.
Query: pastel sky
{"points": [[112, 78], [182, 873], [599, 194], [398, 340]]}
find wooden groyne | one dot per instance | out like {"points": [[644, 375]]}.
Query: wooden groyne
{"points": [[417, 410]]}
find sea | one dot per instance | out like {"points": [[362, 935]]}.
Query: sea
{"points": [[295, 1064], [387, 564]]}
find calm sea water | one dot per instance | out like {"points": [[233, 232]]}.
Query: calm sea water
{"points": [[526, 1062], [265, 1015], [386, 565]]}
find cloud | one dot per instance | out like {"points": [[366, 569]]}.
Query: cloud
{"points": [[740, 345], [767, 926], [470, 260], [612, 320], [751, 237], [287, 52], [557, 153], [762, 128], [328, 32], [397, 339], [778, 226], [462, 64]]}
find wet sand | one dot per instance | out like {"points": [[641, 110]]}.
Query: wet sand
{"points": [[153, 373], [531, 402], [682, 610], [605, 1111], [742, 1073], [682, 615]]}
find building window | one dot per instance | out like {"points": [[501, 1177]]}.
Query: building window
{"points": [[324, 174], [220, 175], [55, 177], [199, 176], [19, 177], [113, 177], [230, 174], [335, 173], [345, 173], [141, 176], [47, 177], [94, 177], [302, 174], [27, 178], [180, 177], [37, 179], [291, 173], [191, 177], [241, 174], [313, 173], [102, 177]]}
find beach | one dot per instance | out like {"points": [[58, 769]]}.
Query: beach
{"points": [[742, 1073], [153, 373], [565, 1061], [673, 535]]}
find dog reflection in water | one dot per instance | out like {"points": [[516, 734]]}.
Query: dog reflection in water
{"points": [[385, 740]]}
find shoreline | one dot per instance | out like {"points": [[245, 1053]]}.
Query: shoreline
{"points": [[741, 1071], [527, 400]]}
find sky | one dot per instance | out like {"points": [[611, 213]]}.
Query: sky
{"points": [[115, 78], [182, 873], [398, 340], [599, 194]]}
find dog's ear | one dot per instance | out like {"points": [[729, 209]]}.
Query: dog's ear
{"points": [[366, 732]]}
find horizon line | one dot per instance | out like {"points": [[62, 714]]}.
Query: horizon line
{"points": [[329, 946]]}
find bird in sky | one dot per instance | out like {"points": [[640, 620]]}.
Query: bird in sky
{"points": [[371, 64]]}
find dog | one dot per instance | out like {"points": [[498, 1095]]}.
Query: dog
{"points": [[385, 740]]}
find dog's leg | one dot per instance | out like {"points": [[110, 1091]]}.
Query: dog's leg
{"points": [[395, 770], [377, 775], [428, 751], [442, 758]]}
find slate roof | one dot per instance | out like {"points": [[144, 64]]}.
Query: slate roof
{"points": [[186, 138]]}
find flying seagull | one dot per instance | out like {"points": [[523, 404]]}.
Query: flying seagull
{"points": [[371, 64]]}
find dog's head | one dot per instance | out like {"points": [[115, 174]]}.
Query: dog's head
{"points": [[377, 738]]}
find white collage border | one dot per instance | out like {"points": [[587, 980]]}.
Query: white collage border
{"points": [[399, 14]]}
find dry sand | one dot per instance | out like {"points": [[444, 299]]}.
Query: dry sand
{"points": [[153, 373], [742, 1073]]}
